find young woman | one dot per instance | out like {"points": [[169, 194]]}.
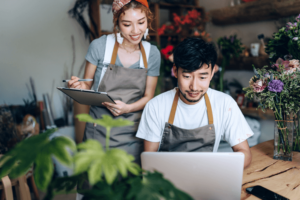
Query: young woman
{"points": [[125, 67]]}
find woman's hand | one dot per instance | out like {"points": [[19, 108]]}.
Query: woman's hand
{"points": [[74, 83], [117, 109]]}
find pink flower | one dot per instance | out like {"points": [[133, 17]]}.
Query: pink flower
{"points": [[282, 62], [294, 63], [290, 71], [259, 86]]}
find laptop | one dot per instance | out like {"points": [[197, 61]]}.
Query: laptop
{"points": [[204, 176]]}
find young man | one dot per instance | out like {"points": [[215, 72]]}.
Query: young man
{"points": [[194, 117]]}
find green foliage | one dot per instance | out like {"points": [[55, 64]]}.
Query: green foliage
{"points": [[229, 47], [64, 185], [106, 121], [152, 186], [93, 160], [285, 42], [37, 150]]}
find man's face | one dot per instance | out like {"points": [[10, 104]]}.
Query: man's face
{"points": [[193, 85]]}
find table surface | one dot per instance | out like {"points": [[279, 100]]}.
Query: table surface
{"points": [[282, 177]]}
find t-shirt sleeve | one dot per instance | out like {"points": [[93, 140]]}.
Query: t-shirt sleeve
{"points": [[150, 127], [96, 50], [154, 61], [236, 127]]}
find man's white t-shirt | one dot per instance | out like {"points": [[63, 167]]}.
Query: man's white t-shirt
{"points": [[229, 122]]}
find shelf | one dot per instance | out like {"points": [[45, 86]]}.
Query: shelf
{"points": [[258, 113], [255, 11], [245, 63], [169, 5]]}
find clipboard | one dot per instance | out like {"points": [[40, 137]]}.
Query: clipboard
{"points": [[87, 97]]}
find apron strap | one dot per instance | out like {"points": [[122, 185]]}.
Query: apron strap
{"points": [[209, 110], [115, 53], [174, 107], [144, 55]]}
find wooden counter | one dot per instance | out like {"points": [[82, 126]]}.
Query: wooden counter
{"points": [[282, 177]]}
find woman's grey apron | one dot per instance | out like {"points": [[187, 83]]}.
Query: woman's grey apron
{"points": [[127, 85], [183, 140]]}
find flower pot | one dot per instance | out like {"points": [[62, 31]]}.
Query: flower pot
{"points": [[283, 138]]}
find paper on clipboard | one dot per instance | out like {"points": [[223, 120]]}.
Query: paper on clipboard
{"points": [[87, 97]]}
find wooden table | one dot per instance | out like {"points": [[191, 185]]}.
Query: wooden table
{"points": [[282, 177]]}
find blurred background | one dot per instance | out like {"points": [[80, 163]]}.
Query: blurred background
{"points": [[44, 42]]}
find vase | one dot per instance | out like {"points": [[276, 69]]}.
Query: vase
{"points": [[283, 137], [296, 141]]}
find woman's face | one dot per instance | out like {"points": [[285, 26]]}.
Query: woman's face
{"points": [[133, 25]]}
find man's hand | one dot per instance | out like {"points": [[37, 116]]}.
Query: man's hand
{"points": [[244, 148]]}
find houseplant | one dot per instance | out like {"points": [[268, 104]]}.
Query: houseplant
{"points": [[229, 47], [107, 171]]}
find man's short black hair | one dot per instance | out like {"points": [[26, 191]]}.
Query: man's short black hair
{"points": [[192, 53]]}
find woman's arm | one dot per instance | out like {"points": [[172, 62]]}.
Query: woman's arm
{"points": [[120, 107], [89, 73]]}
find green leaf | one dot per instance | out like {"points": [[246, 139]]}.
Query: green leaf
{"points": [[43, 171], [106, 121], [37, 149], [154, 187], [95, 172], [62, 154], [96, 162]]}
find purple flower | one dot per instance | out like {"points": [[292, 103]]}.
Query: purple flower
{"points": [[290, 25], [298, 17], [295, 38], [231, 39], [275, 86]]}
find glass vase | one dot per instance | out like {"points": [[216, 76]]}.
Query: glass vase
{"points": [[283, 137], [296, 142]]}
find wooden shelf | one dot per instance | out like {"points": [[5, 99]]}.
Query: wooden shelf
{"points": [[245, 63], [258, 113], [255, 11], [169, 5]]}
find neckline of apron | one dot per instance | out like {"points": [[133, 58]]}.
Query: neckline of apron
{"points": [[137, 63], [115, 55], [174, 108]]}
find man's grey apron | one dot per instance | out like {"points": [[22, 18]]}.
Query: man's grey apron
{"points": [[127, 85], [183, 140]]}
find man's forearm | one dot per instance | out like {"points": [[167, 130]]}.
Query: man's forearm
{"points": [[248, 157]]}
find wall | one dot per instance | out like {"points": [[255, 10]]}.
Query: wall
{"points": [[35, 41], [248, 34]]}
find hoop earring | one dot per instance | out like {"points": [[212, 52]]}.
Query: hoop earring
{"points": [[146, 33], [119, 38]]}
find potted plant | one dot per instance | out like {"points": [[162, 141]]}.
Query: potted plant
{"points": [[106, 170]]}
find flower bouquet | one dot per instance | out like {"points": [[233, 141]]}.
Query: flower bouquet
{"points": [[277, 88], [191, 24], [286, 44]]}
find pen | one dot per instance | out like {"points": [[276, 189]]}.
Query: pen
{"points": [[78, 80]]}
